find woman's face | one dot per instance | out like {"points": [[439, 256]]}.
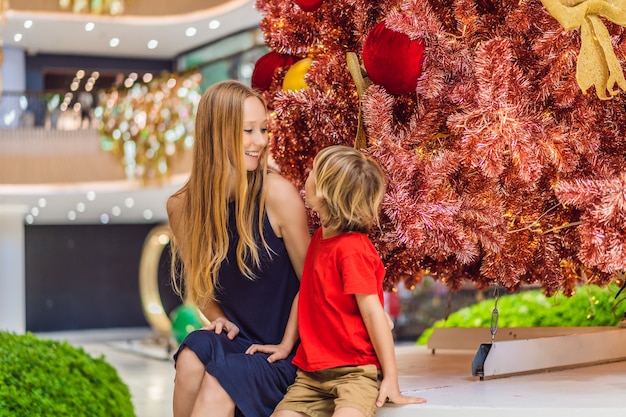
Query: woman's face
{"points": [[254, 132]]}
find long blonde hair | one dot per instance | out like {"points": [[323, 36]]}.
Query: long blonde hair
{"points": [[218, 155]]}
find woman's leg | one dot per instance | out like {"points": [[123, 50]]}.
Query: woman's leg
{"points": [[197, 393], [189, 375], [212, 400]]}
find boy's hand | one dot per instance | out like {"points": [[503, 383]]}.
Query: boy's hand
{"points": [[390, 390], [276, 352]]}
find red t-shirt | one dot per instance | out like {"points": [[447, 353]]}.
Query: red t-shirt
{"points": [[332, 331]]}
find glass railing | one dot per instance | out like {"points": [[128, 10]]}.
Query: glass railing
{"points": [[50, 110]]}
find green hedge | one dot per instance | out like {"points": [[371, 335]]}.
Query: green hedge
{"points": [[590, 306], [41, 377]]}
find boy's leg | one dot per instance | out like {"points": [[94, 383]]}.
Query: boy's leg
{"points": [[288, 413], [357, 389], [348, 412], [306, 397]]}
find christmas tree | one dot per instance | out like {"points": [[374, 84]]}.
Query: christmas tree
{"points": [[501, 126]]}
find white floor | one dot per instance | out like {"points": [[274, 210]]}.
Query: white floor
{"points": [[444, 379]]}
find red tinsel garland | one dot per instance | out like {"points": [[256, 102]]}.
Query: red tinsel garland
{"points": [[499, 169]]}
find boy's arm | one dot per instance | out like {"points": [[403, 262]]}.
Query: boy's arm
{"points": [[290, 337], [379, 332]]}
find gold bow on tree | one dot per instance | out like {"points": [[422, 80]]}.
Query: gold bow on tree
{"points": [[597, 63], [362, 81]]}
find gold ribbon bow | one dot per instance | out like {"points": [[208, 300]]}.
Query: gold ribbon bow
{"points": [[597, 64], [362, 82]]}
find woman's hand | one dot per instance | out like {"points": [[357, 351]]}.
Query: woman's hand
{"points": [[276, 352], [222, 324]]}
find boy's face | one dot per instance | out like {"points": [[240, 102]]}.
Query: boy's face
{"points": [[309, 190]]}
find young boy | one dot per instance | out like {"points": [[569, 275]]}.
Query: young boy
{"points": [[346, 360]]}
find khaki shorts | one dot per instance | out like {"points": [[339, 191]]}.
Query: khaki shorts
{"points": [[319, 393]]}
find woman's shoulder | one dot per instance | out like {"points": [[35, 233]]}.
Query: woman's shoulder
{"points": [[279, 189], [284, 205], [174, 203], [174, 207]]}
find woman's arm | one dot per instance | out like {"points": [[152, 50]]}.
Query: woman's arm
{"points": [[288, 217], [377, 326]]}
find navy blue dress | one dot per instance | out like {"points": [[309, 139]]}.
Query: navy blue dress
{"points": [[260, 308]]}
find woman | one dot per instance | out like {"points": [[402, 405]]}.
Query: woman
{"points": [[240, 235]]}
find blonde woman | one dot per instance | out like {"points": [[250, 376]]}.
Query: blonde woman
{"points": [[240, 237], [346, 360]]}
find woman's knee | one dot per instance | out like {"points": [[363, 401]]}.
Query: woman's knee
{"points": [[187, 363]]}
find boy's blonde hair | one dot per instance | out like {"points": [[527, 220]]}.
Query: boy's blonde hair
{"points": [[349, 188]]}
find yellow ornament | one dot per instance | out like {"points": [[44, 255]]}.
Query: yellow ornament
{"points": [[294, 78]]}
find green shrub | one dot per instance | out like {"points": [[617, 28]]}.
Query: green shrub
{"points": [[590, 306], [41, 377]]}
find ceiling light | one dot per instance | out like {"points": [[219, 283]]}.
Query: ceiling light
{"points": [[114, 42], [147, 214], [71, 215], [152, 44], [17, 37], [191, 31], [28, 24], [89, 26], [214, 24]]}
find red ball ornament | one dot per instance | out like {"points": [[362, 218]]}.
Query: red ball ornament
{"points": [[309, 5], [266, 66], [392, 59]]}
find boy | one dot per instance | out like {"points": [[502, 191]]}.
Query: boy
{"points": [[346, 360]]}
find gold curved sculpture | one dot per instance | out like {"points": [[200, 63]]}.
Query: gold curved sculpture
{"points": [[158, 238]]}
